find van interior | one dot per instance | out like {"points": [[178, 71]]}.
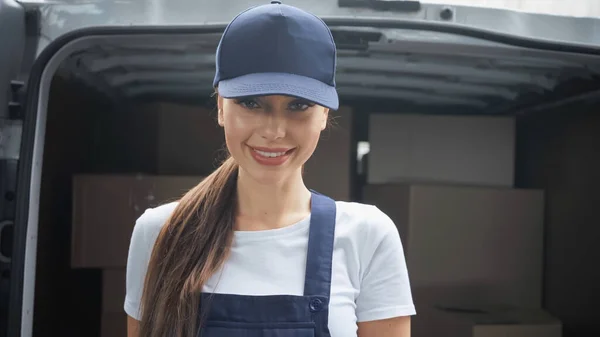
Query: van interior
{"points": [[435, 128]]}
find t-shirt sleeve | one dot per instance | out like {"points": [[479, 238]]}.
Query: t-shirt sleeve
{"points": [[142, 242], [385, 290]]}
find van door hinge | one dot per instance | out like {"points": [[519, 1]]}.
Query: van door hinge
{"points": [[15, 102]]}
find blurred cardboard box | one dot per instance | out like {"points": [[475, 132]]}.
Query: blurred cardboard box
{"points": [[465, 321], [114, 318], [113, 324], [474, 150], [189, 139], [105, 209], [329, 170], [481, 243], [113, 290]]}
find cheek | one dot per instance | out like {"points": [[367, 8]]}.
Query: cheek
{"points": [[238, 125], [307, 136]]}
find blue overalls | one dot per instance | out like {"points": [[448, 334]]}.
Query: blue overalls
{"points": [[229, 315]]}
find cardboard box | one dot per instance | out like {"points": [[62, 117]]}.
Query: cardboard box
{"points": [[329, 170], [482, 244], [190, 141], [114, 318], [113, 290], [475, 150], [485, 322], [113, 324], [105, 208]]}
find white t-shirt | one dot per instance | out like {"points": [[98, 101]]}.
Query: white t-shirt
{"points": [[369, 278]]}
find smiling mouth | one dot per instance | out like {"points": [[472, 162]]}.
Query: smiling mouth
{"points": [[271, 156]]}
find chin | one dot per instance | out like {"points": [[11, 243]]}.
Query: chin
{"points": [[269, 176]]}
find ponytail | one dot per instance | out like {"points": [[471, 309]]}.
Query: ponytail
{"points": [[190, 248]]}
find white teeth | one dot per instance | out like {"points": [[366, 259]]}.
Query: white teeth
{"points": [[270, 154]]}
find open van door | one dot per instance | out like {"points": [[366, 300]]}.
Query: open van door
{"points": [[18, 44]]}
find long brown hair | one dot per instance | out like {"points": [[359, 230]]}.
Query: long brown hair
{"points": [[190, 248]]}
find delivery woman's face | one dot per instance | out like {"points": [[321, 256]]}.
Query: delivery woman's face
{"points": [[271, 137]]}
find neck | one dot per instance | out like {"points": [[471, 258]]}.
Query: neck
{"points": [[269, 206]]}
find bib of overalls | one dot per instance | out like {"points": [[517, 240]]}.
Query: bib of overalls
{"points": [[228, 315]]}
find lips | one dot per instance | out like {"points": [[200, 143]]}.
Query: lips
{"points": [[271, 156]]}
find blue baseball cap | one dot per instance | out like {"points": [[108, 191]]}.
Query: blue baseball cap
{"points": [[277, 49]]}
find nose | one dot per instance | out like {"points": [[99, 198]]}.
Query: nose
{"points": [[274, 126]]}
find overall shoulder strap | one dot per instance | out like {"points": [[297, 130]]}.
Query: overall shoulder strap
{"points": [[320, 246]]}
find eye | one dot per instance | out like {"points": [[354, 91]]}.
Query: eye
{"points": [[301, 105], [248, 103]]}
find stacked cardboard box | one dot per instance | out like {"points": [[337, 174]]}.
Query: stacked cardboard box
{"points": [[485, 322], [473, 243], [441, 149], [482, 243], [188, 140], [329, 170], [114, 319], [105, 209]]}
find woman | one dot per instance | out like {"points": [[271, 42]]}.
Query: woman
{"points": [[251, 251]]}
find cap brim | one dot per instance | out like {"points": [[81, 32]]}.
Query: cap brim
{"points": [[263, 84]]}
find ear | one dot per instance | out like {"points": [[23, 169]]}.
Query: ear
{"points": [[325, 119], [220, 111]]}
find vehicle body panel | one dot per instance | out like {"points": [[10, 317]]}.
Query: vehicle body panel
{"points": [[59, 18]]}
